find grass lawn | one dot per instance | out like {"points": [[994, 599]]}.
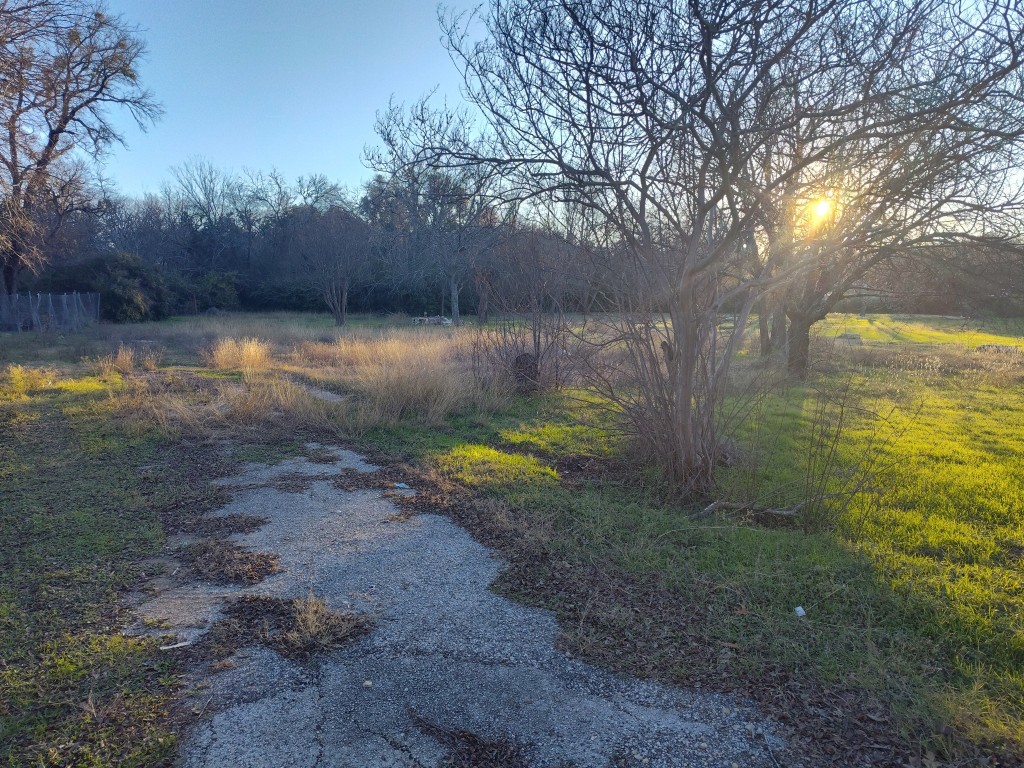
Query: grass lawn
{"points": [[913, 586], [77, 517]]}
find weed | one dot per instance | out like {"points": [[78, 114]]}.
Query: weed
{"points": [[224, 562], [299, 628], [121, 362], [19, 381], [470, 750], [150, 357], [316, 628]]}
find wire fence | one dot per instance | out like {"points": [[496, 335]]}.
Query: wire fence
{"points": [[48, 311]]}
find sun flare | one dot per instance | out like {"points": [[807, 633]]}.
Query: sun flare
{"points": [[820, 210]]}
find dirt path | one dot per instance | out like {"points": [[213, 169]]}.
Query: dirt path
{"points": [[445, 651]]}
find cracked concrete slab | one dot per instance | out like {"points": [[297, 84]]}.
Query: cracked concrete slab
{"points": [[445, 648]]}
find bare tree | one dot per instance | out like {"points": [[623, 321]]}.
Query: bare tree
{"points": [[451, 212], [658, 115], [333, 248], [210, 196], [63, 67]]}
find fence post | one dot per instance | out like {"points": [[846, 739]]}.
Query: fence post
{"points": [[33, 310]]}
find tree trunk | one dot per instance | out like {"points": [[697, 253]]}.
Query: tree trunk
{"points": [[778, 338], [483, 290], [798, 357], [10, 279], [692, 460], [340, 305], [454, 288], [765, 331]]}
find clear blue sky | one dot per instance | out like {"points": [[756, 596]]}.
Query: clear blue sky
{"points": [[286, 84]]}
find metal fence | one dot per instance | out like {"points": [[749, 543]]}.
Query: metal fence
{"points": [[48, 311]]}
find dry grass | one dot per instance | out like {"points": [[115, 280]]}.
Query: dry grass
{"points": [[317, 628], [149, 358], [248, 355], [122, 362], [466, 749], [198, 408], [224, 562], [388, 377], [425, 375], [298, 629]]}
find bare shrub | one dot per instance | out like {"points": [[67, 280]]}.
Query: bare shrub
{"points": [[636, 367], [830, 479], [536, 353]]}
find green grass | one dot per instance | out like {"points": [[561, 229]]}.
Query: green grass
{"points": [[925, 329], [81, 492]]}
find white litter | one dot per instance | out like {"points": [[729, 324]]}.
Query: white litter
{"points": [[176, 645]]}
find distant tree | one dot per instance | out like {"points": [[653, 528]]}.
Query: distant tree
{"points": [[331, 248], [130, 290], [450, 213], [209, 195], [63, 66]]}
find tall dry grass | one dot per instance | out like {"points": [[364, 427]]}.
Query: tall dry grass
{"points": [[275, 407], [421, 374], [384, 376], [248, 355], [122, 361]]}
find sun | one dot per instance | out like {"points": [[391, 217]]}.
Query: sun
{"points": [[820, 210]]}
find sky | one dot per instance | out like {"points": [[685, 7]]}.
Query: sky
{"points": [[286, 84]]}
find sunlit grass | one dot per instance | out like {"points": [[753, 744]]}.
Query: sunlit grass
{"points": [[916, 329], [248, 355], [944, 533]]}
